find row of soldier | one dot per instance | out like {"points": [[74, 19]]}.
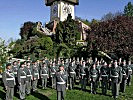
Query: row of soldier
{"points": [[26, 76]]}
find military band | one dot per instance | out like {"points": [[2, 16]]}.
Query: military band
{"points": [[62, 74]]}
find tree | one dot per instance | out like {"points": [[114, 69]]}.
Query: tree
{"points": [[3, 52], [35, 47], [108, 16], [85, 21], [115, 35], [26, 30], [111, 16], [67, 32], [128, 10]]}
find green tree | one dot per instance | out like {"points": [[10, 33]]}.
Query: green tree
{"points": [[3, 52], [26, 30], [128, 10], [35, 47], [67, 32]]}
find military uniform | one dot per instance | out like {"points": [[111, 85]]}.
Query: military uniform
{"points": [[44, 73], [22, 82], [15, 70], [93, 79], [83, 77], [28, 71], [72, 75], [9, 83], [98, 67], [52, 75], [115, 76], [104, 76], [61, 77], [124, 79], [35, 74], [129, 75]]}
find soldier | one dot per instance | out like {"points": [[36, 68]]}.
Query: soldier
{"points": [[35, 74], [18, 63], [53, 69], [98, 67], [28, 71], [9, 82], [44, 75], [61, 77], [66, 64], [72, 74], [15, 70], [115, 76], [25, 63], [124, 77], [22, 81], [77, 70], [83, 76], [119, 62], [58, 63], [46, 61], [104, 77], [109, 81], [93, 78], [129, 73], [39, 67]]}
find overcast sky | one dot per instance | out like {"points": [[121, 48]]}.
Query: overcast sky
{"points": [[13, 13]]}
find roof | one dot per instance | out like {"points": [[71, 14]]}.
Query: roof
{"points": [[50, 2]]}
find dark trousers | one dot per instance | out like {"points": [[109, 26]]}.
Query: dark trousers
{"points": [[115, 89], [123, 85], [104, 86], [83, 83], [16, 88], [93, 87]]}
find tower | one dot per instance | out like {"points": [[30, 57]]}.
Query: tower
{"points": [[59, 9]]}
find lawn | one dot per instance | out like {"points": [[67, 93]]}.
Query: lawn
{"points": [[76, 94]]}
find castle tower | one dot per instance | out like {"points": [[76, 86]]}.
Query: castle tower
{"points": [[59, 9]]}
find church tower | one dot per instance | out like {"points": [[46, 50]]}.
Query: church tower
{"points": [[59, 9]]}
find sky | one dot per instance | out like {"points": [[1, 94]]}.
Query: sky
{"points": [[13, 13]]}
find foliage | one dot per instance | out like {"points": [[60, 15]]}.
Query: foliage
{"points": [[29, 29], [67, 31], [34, 47], [115, 35], [3, 52], [85, 21], [128, 10], [63, 51], [111, 16], [26, 30]]}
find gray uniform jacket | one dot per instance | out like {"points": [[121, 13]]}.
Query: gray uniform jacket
{"points": [[35, 73], [8, 78], [15, 70], [61, 78], [21, 76], [28, 74], [115, 74], [93, 74], [53, 71], [71, 71], [44, 72]]}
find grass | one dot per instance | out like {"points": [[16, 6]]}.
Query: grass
{"points": [[76, 94]]}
